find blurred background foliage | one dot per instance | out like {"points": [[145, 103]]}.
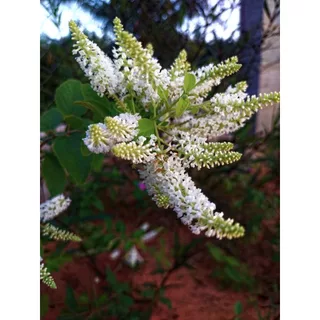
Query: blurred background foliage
{"points": [[109, 205]]}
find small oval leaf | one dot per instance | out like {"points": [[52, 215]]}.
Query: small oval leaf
{"points": [[146, 127], [189, 82]]}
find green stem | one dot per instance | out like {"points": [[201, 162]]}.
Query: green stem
{"points": [[161, 141], [157, 132], [163, 130], [120, 103], [170, 106], [154, 113], [133, 105], [166, 118]]}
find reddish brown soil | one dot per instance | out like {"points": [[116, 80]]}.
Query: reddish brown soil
{"points": [[193, 293]]}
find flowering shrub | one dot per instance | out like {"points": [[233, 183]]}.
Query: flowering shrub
{"points": [[163, 122]]}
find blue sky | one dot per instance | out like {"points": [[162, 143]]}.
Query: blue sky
{"points": [[75, 12], [69, 12]]}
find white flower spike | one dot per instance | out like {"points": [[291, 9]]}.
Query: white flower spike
{"points": [[168, 122], [53, 207]]}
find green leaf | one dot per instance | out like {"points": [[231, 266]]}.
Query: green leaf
{"points": [[163, 94], [137, 234], [146, 127], [120, 227], [109, 223], [194, 109], [122, 287], [66, 95], [125, 301], [181, 106], [74, 122], [98, 117], [215, 252], [238, 308], [110, 277], [87, 122], [232, 261], [102, 300], [166, 301], [98, 204], [233, 274], [113, 244], [53, 174], [56, 262], [71, 301], [99, 105], [128, 245], [189, 82], [44, 304], [68, 152], [97, 162], [83, 299], [84, 150], [148, 293], [50, 119]]}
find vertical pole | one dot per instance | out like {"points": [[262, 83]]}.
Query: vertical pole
{"points": [[251, 31]]}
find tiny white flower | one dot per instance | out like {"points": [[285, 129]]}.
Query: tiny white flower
{"points": [[98, 139], [53, 207]]}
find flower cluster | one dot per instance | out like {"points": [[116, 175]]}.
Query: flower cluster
{"points": [[97, 66], [58, 234], [166, 122], [227, 112], [120, 135], [101, 137], [141, 72], [53, 207], [199, 153], [48, 211], [169, 183], [123, 128], [98, 138], [46, 277], [137, 151]]}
